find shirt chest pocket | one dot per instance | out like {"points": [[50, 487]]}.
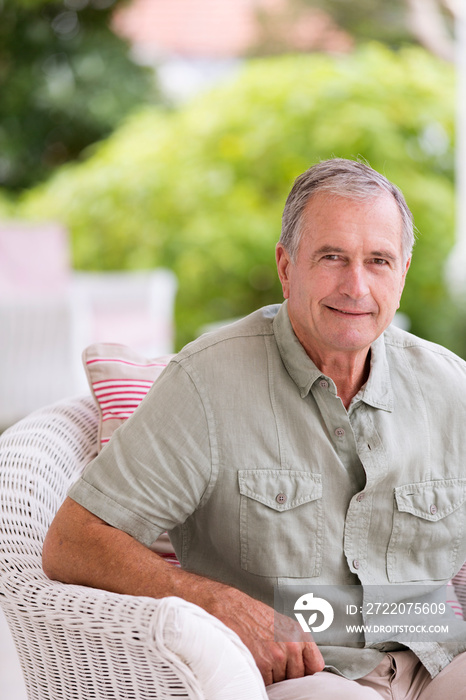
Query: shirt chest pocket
{"points": [[281, 522], [427, 531]]}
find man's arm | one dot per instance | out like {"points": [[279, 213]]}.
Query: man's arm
{"points": [[81, 548]]}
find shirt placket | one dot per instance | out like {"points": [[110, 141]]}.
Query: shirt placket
{"points": [[358, 449], [371, 453]]}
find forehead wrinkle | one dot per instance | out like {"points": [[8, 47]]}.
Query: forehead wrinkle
{"points": [[320, 202]]}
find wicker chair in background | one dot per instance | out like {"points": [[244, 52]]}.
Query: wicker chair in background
{"points": [[79, 643]]}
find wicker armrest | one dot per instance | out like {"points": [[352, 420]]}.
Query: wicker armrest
{"points": [[73, 639]]}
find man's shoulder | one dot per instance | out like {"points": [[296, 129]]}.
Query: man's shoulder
{"points": [[422, 351], [239, 332]]}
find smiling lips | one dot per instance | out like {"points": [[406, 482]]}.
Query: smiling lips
{"points": [[349, 313]]}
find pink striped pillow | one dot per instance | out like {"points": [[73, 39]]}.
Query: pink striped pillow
{"points": [[459, 583], [119, 379]]}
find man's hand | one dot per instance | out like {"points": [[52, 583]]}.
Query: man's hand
{"points": [[259, 627]]}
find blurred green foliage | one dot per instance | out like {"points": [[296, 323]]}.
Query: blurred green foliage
{"points": [[7, 208], [201, 190], [66, 81]]}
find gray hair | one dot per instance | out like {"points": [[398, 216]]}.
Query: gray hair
{"points": [[342, 178]]}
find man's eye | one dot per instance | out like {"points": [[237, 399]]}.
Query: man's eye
{"points": [[380, 261], [331, 257]]}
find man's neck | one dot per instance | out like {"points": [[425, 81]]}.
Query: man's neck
{"points": [[349, 372]]}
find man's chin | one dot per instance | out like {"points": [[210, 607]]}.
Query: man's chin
{"points": [[354, 341]]}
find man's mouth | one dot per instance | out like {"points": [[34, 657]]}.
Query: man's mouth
{"points": [[348, 312]]}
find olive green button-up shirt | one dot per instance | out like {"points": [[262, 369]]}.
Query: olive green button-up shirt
{"points": [[244, 452]]}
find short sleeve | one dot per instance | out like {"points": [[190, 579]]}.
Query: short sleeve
{"points": [[156, 469]]}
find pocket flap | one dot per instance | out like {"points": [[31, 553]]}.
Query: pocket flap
{"points": [[280, 489], [431, 500]]}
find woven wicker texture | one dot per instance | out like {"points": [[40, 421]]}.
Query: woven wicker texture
{"points": [[81, 643]]}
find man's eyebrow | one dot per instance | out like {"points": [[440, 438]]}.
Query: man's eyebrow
{"points": [[326, 249], [384, 254], [330, 249]]}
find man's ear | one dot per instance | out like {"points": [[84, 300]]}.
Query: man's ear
{"points": [[283, 266]]}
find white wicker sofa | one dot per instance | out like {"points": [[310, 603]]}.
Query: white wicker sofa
{"points": [[80, 643]]}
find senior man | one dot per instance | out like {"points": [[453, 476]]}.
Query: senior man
{"points": [[309, 443]]}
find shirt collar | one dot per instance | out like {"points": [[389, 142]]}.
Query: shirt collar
{"points": [[377, 391]]}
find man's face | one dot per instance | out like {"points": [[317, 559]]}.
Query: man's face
{"points": [[345, 285]]}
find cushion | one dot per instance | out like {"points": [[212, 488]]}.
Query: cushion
{"points": [[119, 379], [459, 583], [453, 600]]}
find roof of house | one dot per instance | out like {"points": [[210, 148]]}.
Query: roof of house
{"points": [[226, 28]]}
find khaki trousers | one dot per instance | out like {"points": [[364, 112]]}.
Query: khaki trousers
{"points": [[400, 676]]}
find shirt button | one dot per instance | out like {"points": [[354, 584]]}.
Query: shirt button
{"points": [[356, 563], [360, 496], [281, 498], [323, 383], [433, 509], [339, 432]]}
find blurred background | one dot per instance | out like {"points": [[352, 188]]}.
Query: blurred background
{"points": [[164, 135], [147, 148]]}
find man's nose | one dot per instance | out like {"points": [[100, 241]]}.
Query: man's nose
{"points": [[354, 282]]}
